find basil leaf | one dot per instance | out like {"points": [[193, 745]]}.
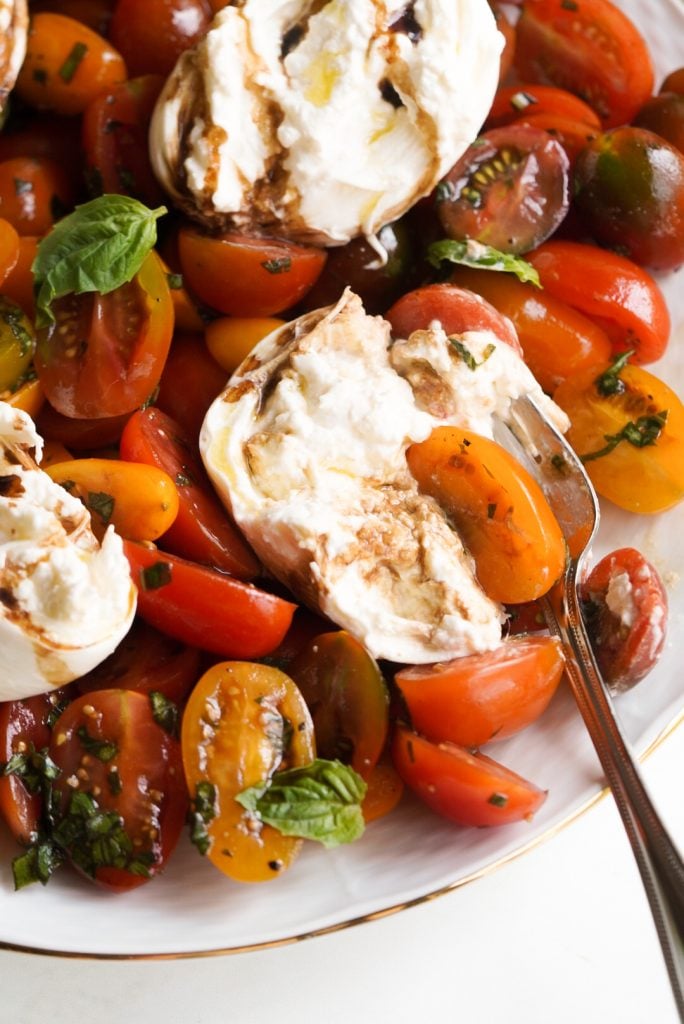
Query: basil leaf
{"points": [[37, 864], [97, 248], [473, 254], [321, 801], [164, 712]]}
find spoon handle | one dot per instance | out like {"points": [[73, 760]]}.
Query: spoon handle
{"points": [[659, 862]]}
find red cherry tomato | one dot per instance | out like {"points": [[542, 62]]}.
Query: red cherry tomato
{"points": [[191, 380], [483, 697], [664, 115], [513, 102], [34, 193], [609, 289], [204, 608], [625, 607], [572, 135], [590, 48], [466, 788], [111, 750], [80, 435], [128, 333], [152, 35], [203, 531]]}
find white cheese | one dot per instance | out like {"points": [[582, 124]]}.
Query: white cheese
{"points": [[65, 600], [620, 599]]}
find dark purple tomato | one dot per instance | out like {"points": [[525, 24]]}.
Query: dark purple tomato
{"points": [[664, 116]]}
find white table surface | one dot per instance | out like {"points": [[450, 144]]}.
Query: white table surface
{"points": [[559, 936]]}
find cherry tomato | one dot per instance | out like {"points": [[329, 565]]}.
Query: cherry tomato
{"points": [[572, 135], [110, 749], [203, 531], [674, 82], [664, 116], [17, 344], [629, 190], [590, 48], [306, 625], [34, 193], [81, 435], [191, 381], [645, 474], [26, 729], [498, 509], [246, 276], [18, 284], [28, 396], [147, 661], [66, 65], [557, 341], [457, 310], [625, 608], [152, 35], [244, 722], [466, 788], [385, 790], [507, 30], [96, 14], [230, 339], [9, 249], [46, 136], [513, 102], [609, 289], [482, 697], [128, 334], [204, 608], [115, 129], [140, 501], [510, 189], [347, 697]]}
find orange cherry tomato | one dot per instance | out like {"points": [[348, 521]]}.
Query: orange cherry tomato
{"points": [[243, 722], [498, 509], [45, 136], [482, 697], [34, 193], [152, 35], [513, 102], [140, 501], [18, 285], [385, 790], [96, 14], [230, 339], [66, 65], [29, 397], [557, 341], [190, 382], [9, 248], [572, 135], [246, 276], [609, 289], [466, 788]]}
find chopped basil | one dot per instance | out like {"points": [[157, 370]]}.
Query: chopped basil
{"points": [[467, 356], [33, 767], [114, 782], [570, 5], [182, 480], [470, 253], [36, 865], [610, 383], [14, 318], [202, 812], [101, 503], [320, 801], [280, 265], [152, 577], [95, 839], [175, 281], [164, 712], [103, 750], [498, 799], [641, 434], [72, 62], [444, 191]]}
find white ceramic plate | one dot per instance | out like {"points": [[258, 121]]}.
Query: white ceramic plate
{"points": [[411, 855]]}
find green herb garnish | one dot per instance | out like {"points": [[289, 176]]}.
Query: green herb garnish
{"points": [[103, 750], [155, 576], [202, 812], [641, 434], [473, 254], [164, 712], [610, 383], [72, 62], [280, 265], [102, 504]]}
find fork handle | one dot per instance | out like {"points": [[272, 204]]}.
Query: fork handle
{"points": [[659, 862]]}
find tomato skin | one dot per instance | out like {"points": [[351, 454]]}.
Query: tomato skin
{"points": [[645, 480], [9, 249], [230, 273], [514, 102], [207, 609], [385, 790], [128, 333], [674, 82], [203, 531], [33, 192], [46, 136], [573, 135], [457, 309], [557, 341], [80, 435], [510, 189], [468, 789], [481, 697], [17, 344], [151, 36], [191, 380], [629, 191], [151, 802], [591, 49], [609, 289], [18, 284], [664, 116], [231, 737], [96, 14], [230, 339], [498, 509]]}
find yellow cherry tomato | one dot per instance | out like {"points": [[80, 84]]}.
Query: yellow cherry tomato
{"points": [[230, 339], [17, 344]]}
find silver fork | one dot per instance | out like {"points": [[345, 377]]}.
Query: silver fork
{"points": [[538, 445]]}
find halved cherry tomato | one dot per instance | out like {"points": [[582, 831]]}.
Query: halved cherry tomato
{"points": [[557, 341], [629, 191], [590, 48], [140, 501], [625, 608], [128, 334], [482, 697], [242, 723], [34, 193], [457, 310], [17, 344], [18, 285], [25, 729], [347, 697], [527, 617], [203, 530], [205, 608], [246, 276], [646, 474], [664, 115], [115, 129], [510, 189], [497, 507], [230, 339], [66, 65], [152, 35], [609, 289], [147, 661], [190, 382], [9, 248], [467, 788], [529, 98], [110, 748], [96, 14], [80, 435], [385, 790]]}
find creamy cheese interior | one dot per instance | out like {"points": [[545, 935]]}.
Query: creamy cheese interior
{"points": [[307, 448], [65, 600], [324, 120]]}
